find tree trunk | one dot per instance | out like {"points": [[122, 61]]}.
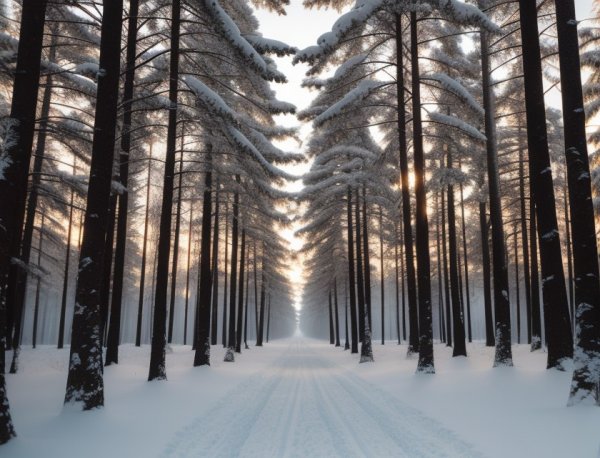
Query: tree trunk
{"points": [[447, 298], [360, 279], [346, 343], [366, 349], [138, 333], [586, 376], [425, 364], [107, 266], [240, 309], [157, 370], [65, 287], [114, 327], [556, 312], [202, 355], [458, 326], [517, 286], [261, 323], [36, 306], [382, 276], [175, 259], [503, 356], [215, 271], [466, 264], [487, 286], [351, 275], [85, 384], [187, 274], [411, 282], [337, 317], [524, 238], [330, 315], [229, 356], [226, 278]]}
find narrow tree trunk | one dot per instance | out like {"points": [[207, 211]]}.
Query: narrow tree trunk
{"points": [[246, 300], [351, 275], [397, 283], [466, 264], [382, 276], [556, 312], [536, 318], [114, 328], [157, 370], [202, 355], [360, 279], [503, 356], [517, 286], [226, 278], [36, 306], [240, 309], [268, 317], [107, 266], [215, 271], [346, 343], [175, 259], [487, 286], [261, 323], [366, 349], [458, 328], [586, 376], [229, 356], [568, 242], [330, 316], [425, 364], [524, 238], [187, 274], [65, 287], [138, 333], [337, 317], [85, 384], [447, 298], [413, 316]]}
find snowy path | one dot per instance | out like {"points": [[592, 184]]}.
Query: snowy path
{"points": [[308, 406]]}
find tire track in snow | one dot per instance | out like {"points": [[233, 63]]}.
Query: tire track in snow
{"points": [[307, 406]]}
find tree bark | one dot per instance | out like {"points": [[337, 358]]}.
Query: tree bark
{"points": [[157, 370], [175, 259], [351, 275], [229, 356], [487, 286], [240, 309], [138, 333], [85, 384], [187, 275], [337, 318], [556, 312], [215, 271]]}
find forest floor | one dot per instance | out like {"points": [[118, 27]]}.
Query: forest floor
{"points": [[304, 398]]}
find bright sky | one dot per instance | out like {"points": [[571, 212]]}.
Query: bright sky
{"points": [[301, 28]]}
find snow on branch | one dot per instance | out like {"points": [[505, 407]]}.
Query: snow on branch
{"points": [[453, 121], [210, 99], [232, 34], [465, 14], [453, 86], [268, 46], [360, 92]]}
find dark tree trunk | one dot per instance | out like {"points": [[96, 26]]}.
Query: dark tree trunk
{"points": [[366, 349], [36, 306], [261, 322], [439, 272], [65, 286], [425, 364], [226, 278], [487, 286], [411, 282], [246, 301], [503, 356], [175, 259], [466, 264], [255, 265], [337, 317], [458, 327], [157, 370], [17, 149], [268, 317], [402, 276], [107, 265], [447, 298], [240, 309], [397, 283], [586, 376], [85, 382], [187, 274], [114, 327], [215, 272], [346, 343], [202, 355], [568, 243], [382, 276], [360, 279], [138, 333], [536, 318], [556, 312], [18, 277], [525, 239], [229, 356], [517, 286], [351, 275], [330, 315]]}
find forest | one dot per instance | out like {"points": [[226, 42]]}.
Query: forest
{"points": [[436, 187]]}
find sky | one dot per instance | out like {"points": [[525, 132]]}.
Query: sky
{"points": [[301, 28]]}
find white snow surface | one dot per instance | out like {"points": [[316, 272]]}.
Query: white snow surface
{"points": [[301, 397]]}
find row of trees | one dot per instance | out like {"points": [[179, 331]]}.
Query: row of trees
{"points": [[470, 174], [89, 90]]}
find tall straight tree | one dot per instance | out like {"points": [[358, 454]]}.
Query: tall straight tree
{"points": [[503, 355], [85, 384], [215, 271], [411, 283], [16, 156], [229, 355], [157, 370], [586, 375], [240, 308], [556, 310], [351, 276], [425, 364], [202, 355]]}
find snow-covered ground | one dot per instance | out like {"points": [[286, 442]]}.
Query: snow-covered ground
{"points": [[304, 398]]}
